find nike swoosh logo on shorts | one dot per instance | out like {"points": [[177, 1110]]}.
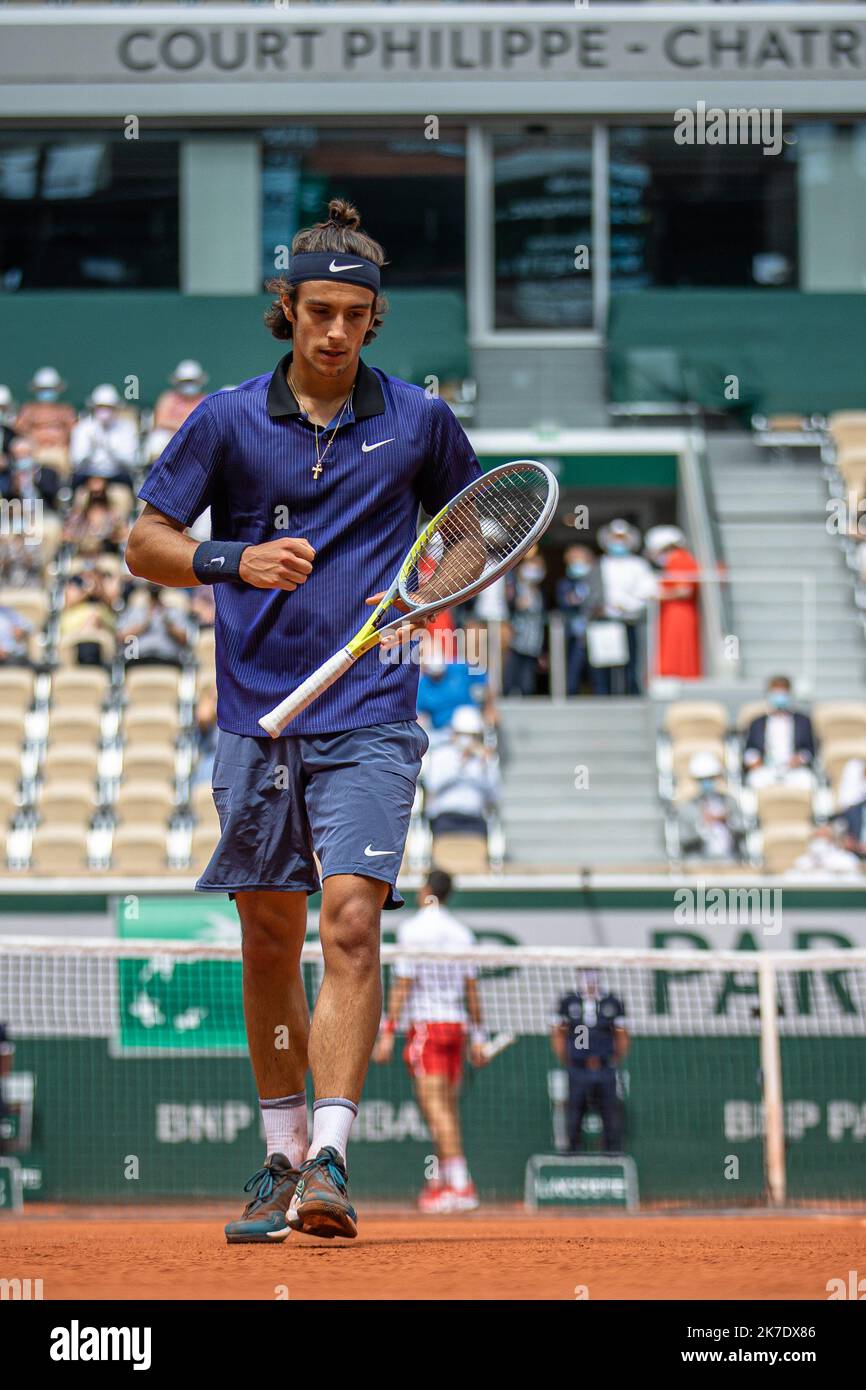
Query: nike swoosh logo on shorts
{"points": [[371, 853], [368, 448], [356, 265]]}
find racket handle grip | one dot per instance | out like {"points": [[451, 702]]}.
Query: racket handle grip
{"points": [[330, 671]]}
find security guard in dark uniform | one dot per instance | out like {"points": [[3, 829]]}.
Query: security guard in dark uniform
{"points": [[590, 1039]]}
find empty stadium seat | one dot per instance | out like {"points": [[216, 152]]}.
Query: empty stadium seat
{"points": [[69, 761], [783, 844], [154, 685], [147, 802], [151, 723], [70, 801], [202, 802], [752, 710], [784, 806], [79, 685], [74, 724], [460, 854], [139, 849], [149, 760], [696, 720], [59, 849], [835, 720], [16, 690], [10, 762], [204, 842]]}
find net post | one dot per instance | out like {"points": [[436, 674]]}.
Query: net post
{"points": [[771, 1083]]}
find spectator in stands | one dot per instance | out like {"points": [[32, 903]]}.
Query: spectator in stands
{"points": [[437, 1001], [590, 1039], [14, 632], [206, 732], [711, 825], [46, 419], [628, 584], [461, 778], [446, 685], [153, 633], [7, 417], [27, 480], [88, 622], [780, 746], [852, 828], [21, 563], [92, 526], [188, 381], [828, 853], [852, 784], [678, 640], [202, 606], [104, 443], [527, 623], [579, 597]]}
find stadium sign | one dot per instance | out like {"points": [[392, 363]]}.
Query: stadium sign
{"points": [[577, 1180], [488, 58]]}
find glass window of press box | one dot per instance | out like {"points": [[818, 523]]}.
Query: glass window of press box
{"points": [[409, 190], [542, 212], [730, 216], [88, 210]]}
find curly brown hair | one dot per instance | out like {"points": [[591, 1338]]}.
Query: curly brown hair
{"points": [[341, 233]]}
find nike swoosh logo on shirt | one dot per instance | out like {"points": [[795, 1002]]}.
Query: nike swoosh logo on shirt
{"points": [[372, 853], [356, 265], [368, 448]]}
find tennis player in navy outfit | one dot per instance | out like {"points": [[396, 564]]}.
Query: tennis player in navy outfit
{"points": [[314, 476]]}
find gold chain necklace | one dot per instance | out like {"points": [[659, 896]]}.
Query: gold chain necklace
{"points": [[317, 467]]}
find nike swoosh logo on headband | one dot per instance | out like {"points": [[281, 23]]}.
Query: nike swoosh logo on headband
{"points": [[368, 448], [356, 265]]}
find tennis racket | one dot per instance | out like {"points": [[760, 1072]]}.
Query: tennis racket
{"points": [[473, 540]]}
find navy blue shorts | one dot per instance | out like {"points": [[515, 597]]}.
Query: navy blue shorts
{"points": [[347, 797]]}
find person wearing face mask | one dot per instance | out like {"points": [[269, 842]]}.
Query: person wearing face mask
{"points": [[527, 623], [711, 825], [104, 443], [628, 583], [173, 407], [780, 745], [461, 779], [678, 647], [579, 597], [445, 686], [45, 419]]}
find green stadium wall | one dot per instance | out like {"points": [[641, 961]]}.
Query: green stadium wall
{"points": [[93, 336], [790, 351]]}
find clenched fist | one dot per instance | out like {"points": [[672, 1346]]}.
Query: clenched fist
{"points": [[282, 564]]}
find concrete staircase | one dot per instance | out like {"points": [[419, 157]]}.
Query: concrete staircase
{"points": [[791, 593], [616, 819]]}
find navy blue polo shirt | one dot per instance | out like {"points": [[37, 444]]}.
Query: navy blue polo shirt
{"points": [[599, 1016], [248, 453]]}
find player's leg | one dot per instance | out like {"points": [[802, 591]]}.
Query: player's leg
{"points": [[273, 926], [460, 1189], [611, 1113], [358, 791], [343, 1031], [431, 1093], [578, 1099]]}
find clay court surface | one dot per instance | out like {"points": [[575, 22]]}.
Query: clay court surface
{"points": [[501, 1256]]}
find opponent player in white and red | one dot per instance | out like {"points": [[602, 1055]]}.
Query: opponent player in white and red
{"points": [[439, 1001]]}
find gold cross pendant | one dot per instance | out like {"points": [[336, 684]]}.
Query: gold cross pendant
{"points": [[317, 468]]}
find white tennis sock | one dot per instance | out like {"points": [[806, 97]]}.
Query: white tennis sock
{"points": [[455, 1172], [332, 1121], [285, 1121]]}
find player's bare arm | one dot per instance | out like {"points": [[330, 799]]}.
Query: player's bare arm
{"points": [[160, 550], [397, 1000]]}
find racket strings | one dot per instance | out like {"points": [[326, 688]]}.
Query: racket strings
{"points": [[480, 534]]}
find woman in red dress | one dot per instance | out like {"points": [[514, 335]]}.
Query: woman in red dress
{"points": [[678, 644]]}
